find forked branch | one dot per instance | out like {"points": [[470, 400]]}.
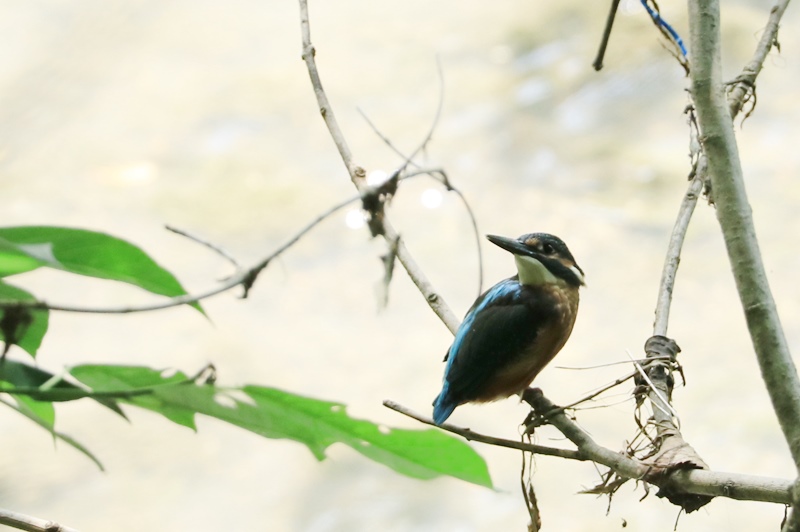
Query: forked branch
{"points": [[735, 219], [357, 174]]}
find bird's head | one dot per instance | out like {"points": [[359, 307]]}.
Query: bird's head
{"points": [[542, 258]]}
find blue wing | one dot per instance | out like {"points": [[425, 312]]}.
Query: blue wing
{"points": [[495, 331]]}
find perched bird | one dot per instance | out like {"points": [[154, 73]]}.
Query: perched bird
{"points": [[515, 328]]}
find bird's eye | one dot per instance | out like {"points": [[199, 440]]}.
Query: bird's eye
{"points": [[548, 249]]}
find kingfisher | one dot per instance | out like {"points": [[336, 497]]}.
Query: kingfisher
{"points": [[514, 329]]}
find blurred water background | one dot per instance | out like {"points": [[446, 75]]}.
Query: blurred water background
{"points": [[122, 116]]}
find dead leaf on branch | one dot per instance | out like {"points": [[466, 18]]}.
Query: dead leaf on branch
{"points": [[675, 454]]}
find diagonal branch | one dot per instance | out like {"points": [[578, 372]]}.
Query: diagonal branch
{"points": [[673, 257], [601, 52], [745, 83], [357, 175], [244, 277], [471, 435]]}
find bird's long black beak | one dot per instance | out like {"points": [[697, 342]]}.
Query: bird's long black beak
{"points": [[511, 245]]}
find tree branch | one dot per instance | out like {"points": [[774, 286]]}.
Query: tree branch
{"points": [[601, 52], [735, 218], [695, 481], [29, 523], [357, 175], [470, 435], [244, 277], [746, 81], [203, 242], [673, 257]]}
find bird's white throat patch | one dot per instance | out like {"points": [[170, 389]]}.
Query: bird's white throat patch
{"points": [[534, 273]]}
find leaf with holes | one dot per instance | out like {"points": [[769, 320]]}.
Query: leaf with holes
{"points": [[275, 413]]}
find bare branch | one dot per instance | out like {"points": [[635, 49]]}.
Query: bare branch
{"points": [[442, 178], [245, 277], [696, 481], [735, 218], [599, 391], [482, 438], [745, 83], [673, 257], [428, 136], [601, 52], [29, 523], [210, 245], [792, 521], [357, 174], [409, 160]]}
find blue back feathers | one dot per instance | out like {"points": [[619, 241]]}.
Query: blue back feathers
{"points": [[507, 290]]}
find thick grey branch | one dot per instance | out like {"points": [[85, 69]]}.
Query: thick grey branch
{"points": [[696, 481], [735, 218]]}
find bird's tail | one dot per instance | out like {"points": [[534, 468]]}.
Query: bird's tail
{"points": [[443, 406]]}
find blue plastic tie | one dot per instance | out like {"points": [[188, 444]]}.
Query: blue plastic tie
{"points": [[664, 24]]}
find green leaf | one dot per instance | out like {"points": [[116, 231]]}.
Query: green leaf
{"points": [[41, 385], [42, 409], [421, 454], [14, 261], [46, 422], [27, 326], [275, 413], [111, 378], [86, 253]]}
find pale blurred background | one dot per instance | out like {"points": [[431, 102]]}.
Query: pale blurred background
{"points": [[122, 116]]}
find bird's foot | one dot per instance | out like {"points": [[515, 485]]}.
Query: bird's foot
{"points": [[533, 420]]}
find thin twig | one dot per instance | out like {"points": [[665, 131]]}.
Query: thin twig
{"points": [[746, 81], [792, 522], [601, 53], [473, 220], [606, 365], [600, 391], [409, 160], [673, 257], [444, 180], [667, 408], [357, 175], [482, 438], [210, 245], [245, 277], [428, 136]]}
